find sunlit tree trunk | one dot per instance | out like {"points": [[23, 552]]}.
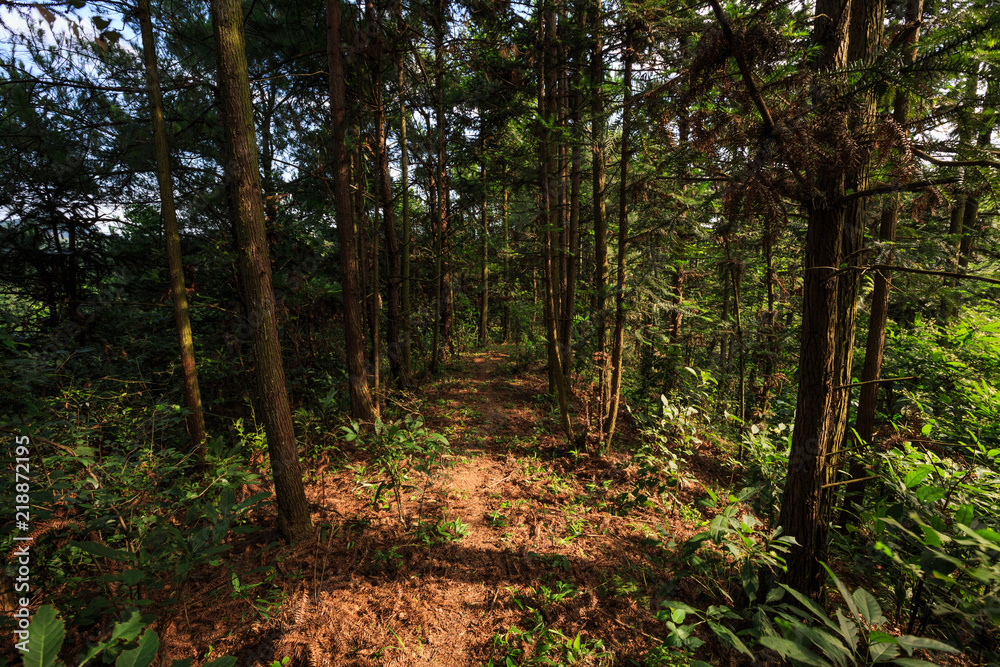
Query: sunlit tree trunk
{"points": [[575, 99], [243, 172], [875, 343], [192, 392], [599, 177], [618, 344], [832, 231], [548, 181], [362, 407]]}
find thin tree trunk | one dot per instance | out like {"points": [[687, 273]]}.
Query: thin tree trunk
{"points": [[362, 407], [617, 351], [875, 343], [599, 178], [243, 172], [192, 391], [574, 227], [396, 320], [484, 303], [404, 166], [442, 286], [506, 262], [549, 195]]}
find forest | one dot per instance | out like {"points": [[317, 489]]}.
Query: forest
{"points": [[478, 332]]}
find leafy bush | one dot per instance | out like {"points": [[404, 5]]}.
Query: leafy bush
{"points": [[398, 449], [131, 644]]}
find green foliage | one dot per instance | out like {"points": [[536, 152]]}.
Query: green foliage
{"points": [[398, 449], [131, 644], [435, 533], [539, 642], [803, 633]]}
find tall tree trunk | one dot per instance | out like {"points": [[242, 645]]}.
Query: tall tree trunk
{"points": [[376, 305], [573, 235], [438, 304], [875, 342], [192, 392], [599, 177], [404, 167], [956, 229], [548, 181], [484, 302], [442, 279], [396, 320], [508, 283], [362, 407], [617, 350], [243, 172], [820, 419]]}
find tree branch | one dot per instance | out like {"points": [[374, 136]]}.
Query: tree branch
{"points": [[902, 187], [931, 272], [741, 62], [958, 163]]}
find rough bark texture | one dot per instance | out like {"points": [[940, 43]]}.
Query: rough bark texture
{"points": [[192, 392], [243, 172], [828, 302], [362, 407]]}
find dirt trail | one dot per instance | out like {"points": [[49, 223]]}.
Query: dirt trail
{"points": [[369, 591]]}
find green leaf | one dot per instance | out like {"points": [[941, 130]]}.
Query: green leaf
{"points": [[848, 630], [186, 662], [916, 476], [844, 593], [128, 629], [868, 606], [909, 643], [727, 635], [100, 23], [913, 662], [45, 638], [792, 651], [883, 651], [749, 579], [224, 661], [102, 550], [930, 494], [964, 514], [143, 655], [816, 610]]}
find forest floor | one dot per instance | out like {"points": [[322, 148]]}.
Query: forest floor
{"points": [[513, 547]]}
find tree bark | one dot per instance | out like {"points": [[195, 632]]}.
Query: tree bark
{"points": [[819, 420], [484, 303], [599, 177], [362, 407], [192, 391], [875, 342], [404, 167], [243, 172], [617, 351], [548, 233]]}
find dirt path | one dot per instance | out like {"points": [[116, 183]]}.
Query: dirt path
{"points": [[512, 548]]}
